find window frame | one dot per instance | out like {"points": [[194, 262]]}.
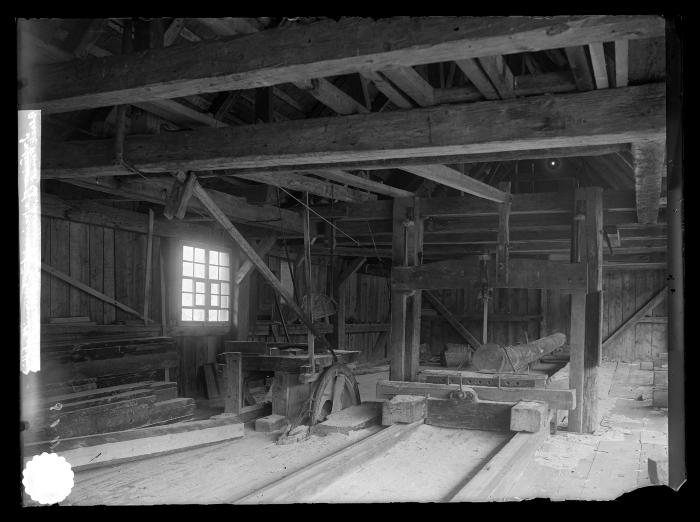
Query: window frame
{"points": [[180, 276]]}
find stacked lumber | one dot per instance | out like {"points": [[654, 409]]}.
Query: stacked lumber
{"points": [[103, 410], [106, 362]]}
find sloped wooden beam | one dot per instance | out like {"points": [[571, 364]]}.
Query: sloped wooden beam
{"points": [[257, 261], [387, 89], [451, 319], [649, 168], [544, 122], [247, 266], [600, 72], [621, 63], [579, 68], [331, 96], [91, 291], [636, 317], [294, 181], [475, 74], [455, 179], [155, 190], [363, 183], [500, 75], [283, 55], [413, 84], [353, 267]]}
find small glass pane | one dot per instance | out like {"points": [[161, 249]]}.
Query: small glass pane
{"points": [[224, 301], [200, 287], [187, 314], [223, 259], [213, 272], [215, 288], [199, 270], [199, 300], [187, 269], [199, 255], [198, 314], [224, 289], [223, 274], [187, 285], [213, 257], [187, 253], [223, 315], [215, 300], [212, 315], [186, 299]]}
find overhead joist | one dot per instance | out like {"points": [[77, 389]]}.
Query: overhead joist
{"points": [[601, 117], [453, 178], [466, 273], [285, 54], [155, 190], [649, 169]]}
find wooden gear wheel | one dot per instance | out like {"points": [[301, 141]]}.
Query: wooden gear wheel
{"points": [[335, 390]]}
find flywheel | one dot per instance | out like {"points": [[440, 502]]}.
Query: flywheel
{"points": [[335, 390]]}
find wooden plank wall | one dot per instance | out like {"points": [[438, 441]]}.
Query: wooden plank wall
{"points": [[624, 293], [520, 306], [111, 261]]}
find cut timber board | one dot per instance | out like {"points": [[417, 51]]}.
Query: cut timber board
{"points": [[126, 451], [470, 378], [557, 399]]}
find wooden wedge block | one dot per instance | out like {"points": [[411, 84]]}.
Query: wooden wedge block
{"points": [[350, 419], [403, 409], [530, 416], [271, 423], [484, 415]]}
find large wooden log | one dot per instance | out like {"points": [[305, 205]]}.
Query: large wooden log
{"points": [[285, 55], [491, 126], [492, 357]]}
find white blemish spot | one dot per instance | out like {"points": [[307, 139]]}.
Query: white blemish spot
{"points": [[48, 478]]}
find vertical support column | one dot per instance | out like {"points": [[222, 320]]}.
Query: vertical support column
{"points": [[503, 235], [233, 382], [586, 309], [594, 308], [309, 281], [577, 329], [339, 330], [407, 246]]}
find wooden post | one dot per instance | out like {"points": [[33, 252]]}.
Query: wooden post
{"points": [[577, 317], [586, 310], [594, 307], [407, 244], [149, 256], [309, 280], [233, 382], [503, 235], [163, 307]]}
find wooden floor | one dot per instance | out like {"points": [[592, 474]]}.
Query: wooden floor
{"points": [[599, 466]]}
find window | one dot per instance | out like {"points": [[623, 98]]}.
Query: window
{"points": [[205, 295]]}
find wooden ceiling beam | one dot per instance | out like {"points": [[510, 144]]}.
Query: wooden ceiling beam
{"points": [[347, 178], [155, 190], [284, 55], [621, 63], [455, 179], [613, 116], [475, 74], [384, 86], [579, 67], [500, 75], [600, 72], [331, 96], [295, 181], [413, 84]]}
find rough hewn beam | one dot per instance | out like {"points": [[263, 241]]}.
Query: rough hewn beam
{"points": [[579, 68], [485, 127], [649, 168], [475, 74], [621, 63], [331, 96], [387, 89], [294, 181], [284, 55], [500, 75], [455, 179], [155, 190], [600, 72], [363, 183], [413, 84]]}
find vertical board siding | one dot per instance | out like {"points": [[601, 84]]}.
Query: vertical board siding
{"points": [[624, 294], [108, 260]]}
